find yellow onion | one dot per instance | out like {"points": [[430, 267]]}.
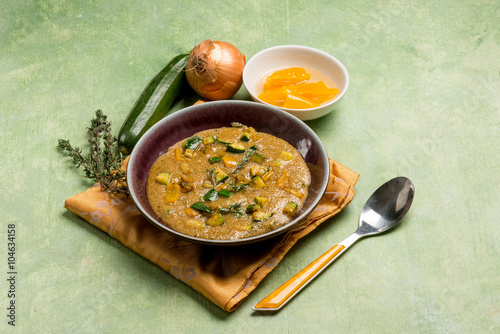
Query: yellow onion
{"points": [[215, 69]]}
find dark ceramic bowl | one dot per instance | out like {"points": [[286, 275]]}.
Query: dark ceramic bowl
{"points": [[186, 122]]}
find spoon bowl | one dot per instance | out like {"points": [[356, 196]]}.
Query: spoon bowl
{"points": [[383, 210], [387, 206]]}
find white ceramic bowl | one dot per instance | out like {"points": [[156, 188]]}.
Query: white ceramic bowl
{"points": [[264, 62]]}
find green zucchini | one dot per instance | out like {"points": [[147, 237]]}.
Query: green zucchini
{"points": [[214, 160], [235, 148], [211, 195], [215, 220], [246, 136], [260, 216], [225, 193], [192, 143], [201, 207], [153, 103], [290, 209], [258, 158]]}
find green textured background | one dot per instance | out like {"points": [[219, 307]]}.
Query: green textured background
{"points": [[423, 102]]}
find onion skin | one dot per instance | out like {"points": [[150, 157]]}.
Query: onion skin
{"points": [[215, 70]]}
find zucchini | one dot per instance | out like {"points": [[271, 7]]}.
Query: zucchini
{"points": [[291, 208], [257, 183], [215, 220], [246, 137], [223, 141], [163, 178], [192, 143], [235, 148], [211, 195], [214, 160], [153, 103], [201, 207], [261, 201], [209, 140], [253, 207], [220, 175], [260, 216], [258, 158], [225, 193]]}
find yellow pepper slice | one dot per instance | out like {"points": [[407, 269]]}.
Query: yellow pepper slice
{"points": [[289, 88], [296, 101], [172, 193], [287, 76]]}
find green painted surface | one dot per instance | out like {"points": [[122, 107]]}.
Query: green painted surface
{"points": [[423, 102]]}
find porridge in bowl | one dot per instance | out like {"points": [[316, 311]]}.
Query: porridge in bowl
{"points": [[228, 183]]}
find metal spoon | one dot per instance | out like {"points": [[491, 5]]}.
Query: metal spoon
{"points": [[383, 210]]}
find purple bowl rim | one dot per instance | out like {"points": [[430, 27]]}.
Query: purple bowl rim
{"points": [[297, 221]]}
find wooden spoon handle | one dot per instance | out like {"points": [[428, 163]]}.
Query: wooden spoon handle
{"points": [[280, 296]]}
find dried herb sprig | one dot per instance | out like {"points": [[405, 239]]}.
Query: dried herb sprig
{"points": [[102, 164], [248, 155]]}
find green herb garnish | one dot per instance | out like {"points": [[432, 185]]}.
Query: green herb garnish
{"points": [[235, 208], [102, 163], [248, 155]]}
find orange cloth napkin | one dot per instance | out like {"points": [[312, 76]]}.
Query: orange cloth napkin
{"points": [[224, 275]]}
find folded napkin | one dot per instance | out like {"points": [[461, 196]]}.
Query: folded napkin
{"points": [[224, 275]]}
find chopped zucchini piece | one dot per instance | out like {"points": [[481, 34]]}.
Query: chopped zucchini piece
{"points": [[173, 192], [229, 162], [220, 175], [225, 193], [223, 141], [287, 156], [215, 220], [201, 207], [261, 201], [189, 153], [209, 140], [257, 183], [215, 160], [235, 148], [291, 208], [260, 216], [211, 195], [258, 158], [253, 207], [163, 178], [246, 136], [192, 143]]}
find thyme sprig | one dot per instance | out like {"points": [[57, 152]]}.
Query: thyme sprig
{"points": [[248, 155], [102, 163]]}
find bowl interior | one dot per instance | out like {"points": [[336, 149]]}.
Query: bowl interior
{"points": [[263, 118]]}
